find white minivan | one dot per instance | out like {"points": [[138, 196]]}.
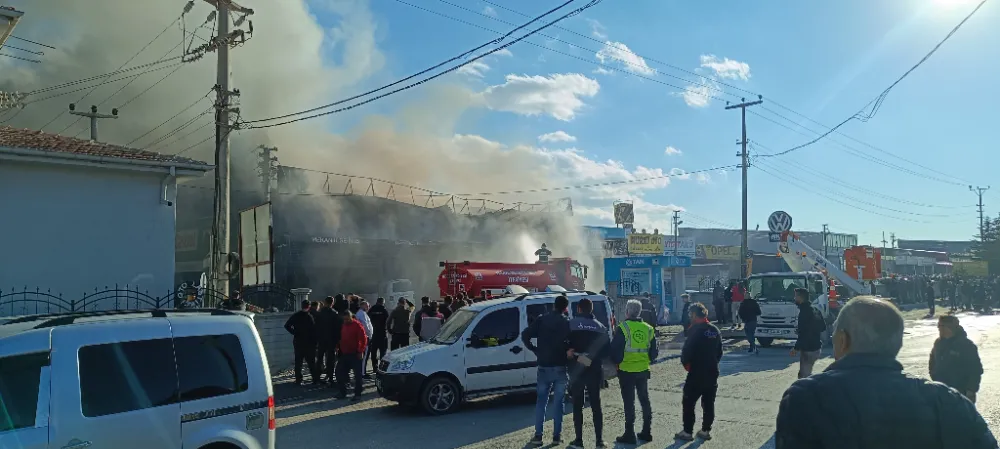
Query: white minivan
{"points": [[478, 352], [195, 379]]}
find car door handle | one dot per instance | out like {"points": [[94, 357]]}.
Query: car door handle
{"points": [[76, 444], [515, 349]]}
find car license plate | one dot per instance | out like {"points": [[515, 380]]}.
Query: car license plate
{"points": [[775, 331]]}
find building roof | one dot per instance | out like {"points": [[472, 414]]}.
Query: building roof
{"points": [[58, 145]]}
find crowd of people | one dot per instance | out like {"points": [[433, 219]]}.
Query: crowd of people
{"points": [[337, 338]]}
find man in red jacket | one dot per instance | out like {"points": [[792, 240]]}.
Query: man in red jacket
{"points": [[353, 341]]}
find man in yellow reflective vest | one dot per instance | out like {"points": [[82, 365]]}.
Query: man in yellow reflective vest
{"points": [[633, 349]]}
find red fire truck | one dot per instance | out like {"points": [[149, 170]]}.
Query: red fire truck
{"points": [[492, 277]]}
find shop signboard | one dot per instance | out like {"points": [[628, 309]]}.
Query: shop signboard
{"points": [[685, 246], [717, 252], [645, 244]]}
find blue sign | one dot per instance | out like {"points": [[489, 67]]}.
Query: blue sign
{"points": [[605, 232]]}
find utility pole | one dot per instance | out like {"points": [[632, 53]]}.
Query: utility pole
{"points": [[93, 116], [745, 162], [268, 163], [979, 192], [826, 247], [892, 237], [677, 229], [221, 43]]}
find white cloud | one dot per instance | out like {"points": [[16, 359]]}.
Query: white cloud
{"points": [[680, 173], [558, 95], [476, 68], [703, 178], [503, 52], [558, 136], [617, 51], [604, 71], [726, 68], [597, 29], [671, 151], [489, 11], [699, 95]]}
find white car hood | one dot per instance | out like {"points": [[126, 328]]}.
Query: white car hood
{"points": [[412, 351]]}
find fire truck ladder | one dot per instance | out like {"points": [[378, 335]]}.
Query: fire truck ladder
{"points": [[801, 257]]}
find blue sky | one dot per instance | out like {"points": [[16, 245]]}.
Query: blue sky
{"points": [[824, 60]]}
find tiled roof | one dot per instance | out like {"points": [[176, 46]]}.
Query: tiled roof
{"points": [[43, 141]]}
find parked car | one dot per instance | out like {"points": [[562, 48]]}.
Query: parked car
{"points": [[478, 352], [128, 379]]}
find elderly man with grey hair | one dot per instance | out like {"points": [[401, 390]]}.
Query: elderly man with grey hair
{"points": [[634, 349], [864, 400]]}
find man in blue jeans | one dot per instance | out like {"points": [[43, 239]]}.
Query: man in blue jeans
{"points": [[552, 350]]}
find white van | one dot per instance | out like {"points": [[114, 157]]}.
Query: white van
{"points": [[195, 379], [478, 352]]}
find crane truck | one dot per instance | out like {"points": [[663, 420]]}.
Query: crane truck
{"points": [[811, 271]]}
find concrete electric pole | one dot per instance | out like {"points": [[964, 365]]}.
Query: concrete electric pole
{"points": [[222, 42], [979, 192], [677, 229], [826, 246], [745, 162], [93, 116], [268, 162]]}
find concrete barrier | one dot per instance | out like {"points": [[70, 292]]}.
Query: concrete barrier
{"points": [[277, 341]]}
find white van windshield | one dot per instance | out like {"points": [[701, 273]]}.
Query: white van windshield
{"points": [[453, 329]]}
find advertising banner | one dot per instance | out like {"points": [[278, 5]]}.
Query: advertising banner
{"points": [[624, 213], [635, 281], [716, 252], [615, 248], [645, 244], [685, 246]]}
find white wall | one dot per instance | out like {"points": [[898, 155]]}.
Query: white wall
{"points": [[276, 340], [72, 229]]}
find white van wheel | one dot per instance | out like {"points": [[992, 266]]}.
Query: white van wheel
{"points": [[440, 396]]}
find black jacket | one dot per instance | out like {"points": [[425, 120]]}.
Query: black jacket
{"points": [[379, 317], [417, 322], [865, 401], [328, 327], [955, 362], [552, 332], [685, 317], [399, 321], [445, 311], [302, 327], [701, 353], [618, 346], [588, 336], [749, 310], [810, 328]]}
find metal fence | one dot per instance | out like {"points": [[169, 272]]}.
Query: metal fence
{"points": [[257, 298]]}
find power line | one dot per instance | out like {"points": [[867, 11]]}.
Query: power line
{"points": [[31, 41], [876, 103], [171, 118], [802, 167], [856, 153], [446, 71], [557, 39], [175, 130], [39, 53], [195, 145], [20, 58], [155, 69], [181, 137], [144, 47], [92, 78]]}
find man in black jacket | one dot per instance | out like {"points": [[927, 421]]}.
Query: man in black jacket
{"points": [[379, 344], [590, 346], [865, 401], [425, 307], [810, 330], [955, 359], [328, 336], [749, 312], [718, 302], [399, 324], [303, 330], [552, 332], [700, 357]]}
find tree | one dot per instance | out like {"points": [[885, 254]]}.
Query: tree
{"points": [[986, 246]]}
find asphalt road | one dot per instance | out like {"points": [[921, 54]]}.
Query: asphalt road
{"points": [[749, 392]]}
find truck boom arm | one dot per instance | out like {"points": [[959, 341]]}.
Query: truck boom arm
{"points": [[801, 257]]}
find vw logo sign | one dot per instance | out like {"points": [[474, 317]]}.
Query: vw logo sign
{"points": [[779, 221]]}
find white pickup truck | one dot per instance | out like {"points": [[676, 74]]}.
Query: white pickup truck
{"points": [[779, 313]]}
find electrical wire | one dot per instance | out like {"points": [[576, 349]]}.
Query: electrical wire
{"points": [[20, 58], [856, 153], [175, 130], [195, 145], [876, 103], [171, 118], [39, 53], [155, 69], [801, 167], [92, 78], [144, 47], [557, 39], [31, 41], [181, 137], [449, 70], [657, 61]]}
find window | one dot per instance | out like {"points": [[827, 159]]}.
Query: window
{"points": [[209, 366], [537, 310], [498, 328], [455, 327], [121, 377], [19, 381], [403, 285]]}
